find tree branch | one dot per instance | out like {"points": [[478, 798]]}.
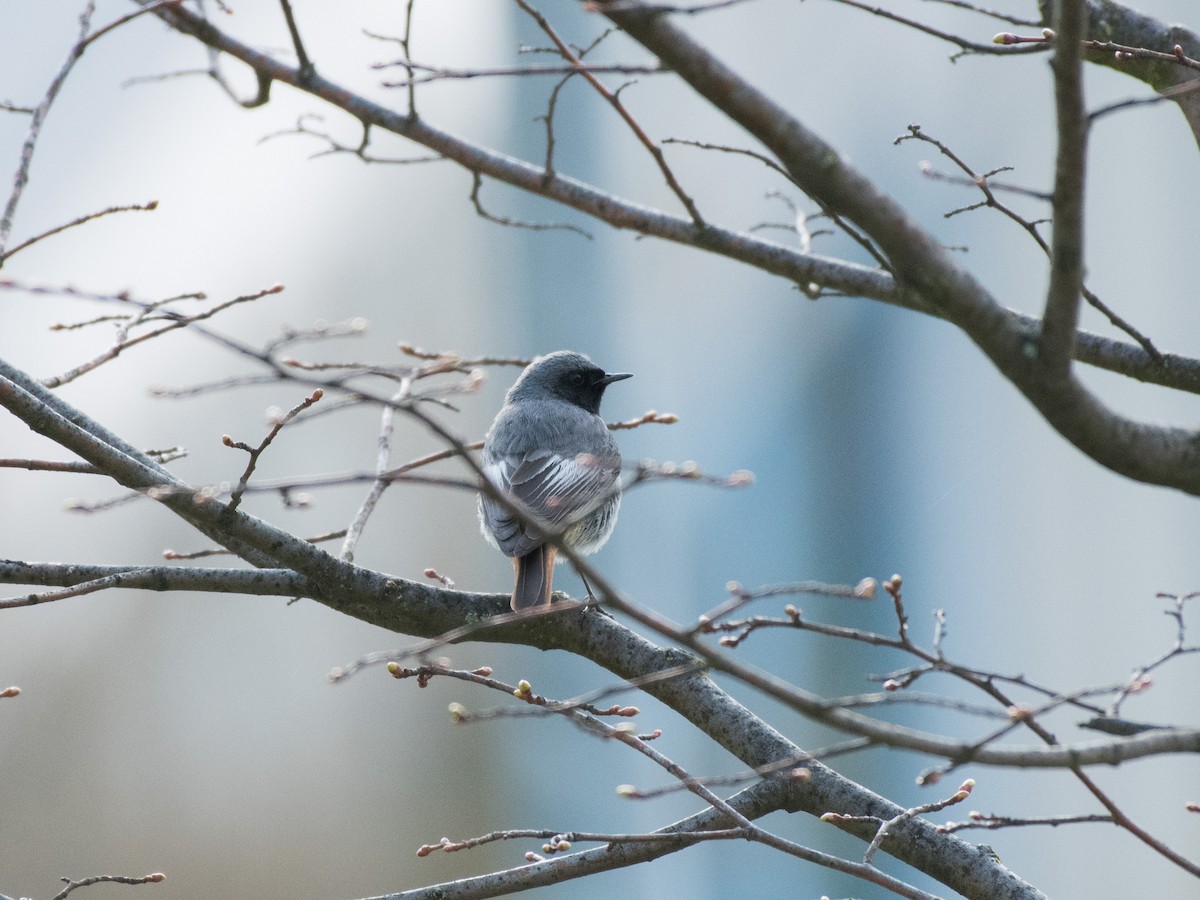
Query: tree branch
{"points": [[751, 803], [1157, 455], [1067, 250], [414, 608], [256, 582], [50, 416], [1182, 373], [21, 178], [1110, 21]]}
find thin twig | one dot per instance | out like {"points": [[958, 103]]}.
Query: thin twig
{"points": [[78, 590], [626, 735], [1125, 52], [153, 878], [987, 188], [202, 554], [82, 468], [136, 207], [1139, 680], [381, 483], [39, 113], [477, 185], [337, 147], [440, 73], [994, 823], [21, 177], [990, 13], [255, 453], [965, 45], [306, 66], [853, 233], [149, 312], [614, 101], [886, 825]]}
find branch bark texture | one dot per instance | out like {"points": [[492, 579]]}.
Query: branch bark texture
{"points": [[930, 281], [412, 608]]}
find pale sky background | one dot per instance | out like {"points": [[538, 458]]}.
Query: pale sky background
{"points": [[197, 735]]}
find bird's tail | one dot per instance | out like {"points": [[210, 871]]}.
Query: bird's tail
{"points": [[535, 576]]}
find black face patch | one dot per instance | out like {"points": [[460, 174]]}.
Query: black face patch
{"points": [[582, 385]]}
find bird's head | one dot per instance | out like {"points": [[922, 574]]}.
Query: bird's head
{"points": [[565, 374]]}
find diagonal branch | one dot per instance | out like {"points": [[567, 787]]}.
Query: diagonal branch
{"points": [[802, 269], [415, 608], [306, 64], [80, 220], [1158, 455], [252, 539], [21, 178], [988, 189], [615, 102], [39, 113], [751, 803], [255, 582], [1120, 24], [381, 483]]}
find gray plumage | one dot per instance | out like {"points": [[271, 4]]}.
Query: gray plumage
{"points": [[549, 450]]}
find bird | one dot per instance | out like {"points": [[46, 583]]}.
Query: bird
{"points": [[549, 453]]}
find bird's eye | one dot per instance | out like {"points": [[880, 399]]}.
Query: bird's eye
{"points": [[576, 379]]}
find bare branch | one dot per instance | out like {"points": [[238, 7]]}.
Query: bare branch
{"points": [[149, 313], [253, 582], [615, 102], [993, 822], [885, 827], [1143, 451], [39, 113], [381, 483], [985, 185], [1055, 350], [137, 207], [1139, 680], [1123, 53], [990, 13], [21, 178], [335, 147], [965, 45], [202, 554], [625, 735], [441, 73], [47, 465], [153, 878], [477, 185], [804, 269], [306, 65], [235, 498]]}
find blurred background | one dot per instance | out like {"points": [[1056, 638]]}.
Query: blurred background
{"points": [[197, 734]]}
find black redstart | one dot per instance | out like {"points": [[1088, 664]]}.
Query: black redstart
{"points": [[550, 451]]}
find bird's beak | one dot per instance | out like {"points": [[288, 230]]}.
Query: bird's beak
{"points": [[619, 376]]}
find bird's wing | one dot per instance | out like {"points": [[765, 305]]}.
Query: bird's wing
{"points": [[562, 489], [557, 489]]}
